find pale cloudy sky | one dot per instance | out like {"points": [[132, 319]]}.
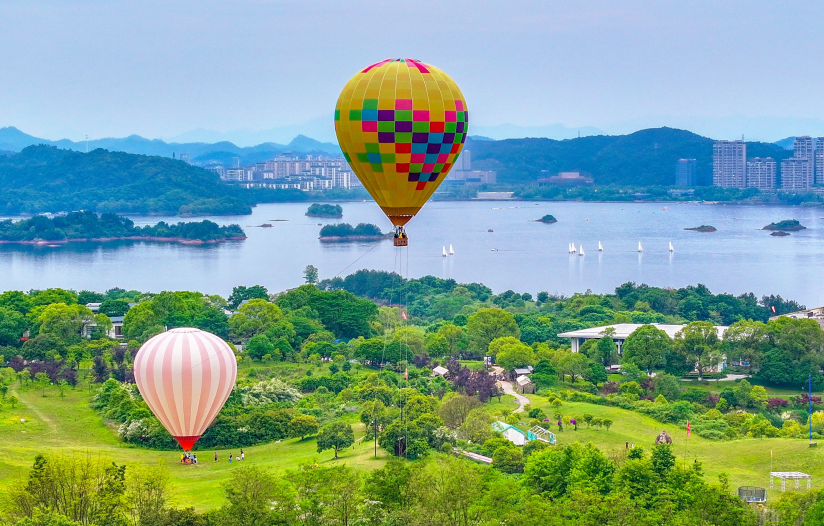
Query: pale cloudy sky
{"points": [[162, 68]]}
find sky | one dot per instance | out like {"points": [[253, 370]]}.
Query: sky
{"points": [[256, 68]]}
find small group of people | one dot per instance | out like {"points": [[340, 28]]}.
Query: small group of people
{"points": [[187, 458], [241, 457]]}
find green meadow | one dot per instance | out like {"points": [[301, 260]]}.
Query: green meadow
{"points": [[68, 425]]}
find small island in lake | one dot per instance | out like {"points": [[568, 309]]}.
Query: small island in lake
{"points": [[788, 225], [703, 228], [319, 210], [345, 232], [548, 219], [88, 226], [779, 233]]}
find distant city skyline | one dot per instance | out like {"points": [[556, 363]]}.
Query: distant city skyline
{"points": [[250, 68]]}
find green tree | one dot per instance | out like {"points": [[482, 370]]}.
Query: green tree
{"points": [[112, 307], [699, 343], [64, 321], [17, 301], [258, 347], [663, 459], [596, 373], [508, 460], [241, 293], [746, 340], [455, 409], [667, 385], [488, 324], [512, 355], [310, 274], [303, 426], [647, 347], [50, 296], [336, 436], [43, 381], [12, 326], [575, 365], [13, 400], [437, 345], [256, 497], [453, 335], [142, 322], [477, 427]]}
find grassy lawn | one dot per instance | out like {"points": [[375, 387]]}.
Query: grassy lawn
{"points": [[745, 461], [55, 425]]}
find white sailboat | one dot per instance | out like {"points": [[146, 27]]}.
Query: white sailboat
{"points": [[444, 252], [581, 250], [670, 247], [600, 247], [451, 250], [640, 248], [572, 248]]}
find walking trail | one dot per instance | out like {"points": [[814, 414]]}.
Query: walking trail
{"points": [[507, 387]]}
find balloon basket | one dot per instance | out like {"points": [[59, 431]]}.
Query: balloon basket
{"points": [[401, 241]]}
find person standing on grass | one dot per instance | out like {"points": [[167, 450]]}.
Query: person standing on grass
{"points": [[215, 456], [194, 459], [230, 458], [242, 456]]}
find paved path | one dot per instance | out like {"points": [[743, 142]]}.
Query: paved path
{"points": [[728, 378], [473, 456], [507, 386]]}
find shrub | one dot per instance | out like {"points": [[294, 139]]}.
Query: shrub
{"points": [[774, 404]]}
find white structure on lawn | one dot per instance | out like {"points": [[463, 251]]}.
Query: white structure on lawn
{"points": [[789, 475], [512, 433], [621, 332]]}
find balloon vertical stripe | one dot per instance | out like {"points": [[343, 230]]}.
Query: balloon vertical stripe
{"points": [[185, 376]]}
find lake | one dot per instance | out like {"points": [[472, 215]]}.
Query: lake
{"points": [[518, 254]]}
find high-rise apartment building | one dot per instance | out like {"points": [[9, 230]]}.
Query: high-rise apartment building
{"points": [[761, 173], [686, 172], [729, 164], [819, 160], [797, 174], [803, 147]]}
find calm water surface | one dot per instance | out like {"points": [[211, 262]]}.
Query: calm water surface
{"points": [[519, 254]]}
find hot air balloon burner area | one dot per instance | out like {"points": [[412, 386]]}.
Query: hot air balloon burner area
{"points": [[400, 239]]}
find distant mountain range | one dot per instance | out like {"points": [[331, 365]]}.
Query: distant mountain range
{"points": [[12, 139], [644, 158]]}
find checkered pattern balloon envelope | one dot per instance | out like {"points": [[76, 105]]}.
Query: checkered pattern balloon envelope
{"points": [[401, 125]]}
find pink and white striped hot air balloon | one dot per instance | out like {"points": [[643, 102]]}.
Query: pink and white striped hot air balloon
{"points": [[185, 376]]}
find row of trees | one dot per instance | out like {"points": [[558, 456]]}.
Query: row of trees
{"points": [[568, 485]]}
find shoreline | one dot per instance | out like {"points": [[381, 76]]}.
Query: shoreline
{"points": [[434, 199], [343, 239], [180, 240]]}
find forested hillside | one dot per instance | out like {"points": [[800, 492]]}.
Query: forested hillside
{"points": [[643, 158], [46, 179]]}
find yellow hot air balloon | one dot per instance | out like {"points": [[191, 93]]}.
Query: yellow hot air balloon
{"points": [[401, 125]]}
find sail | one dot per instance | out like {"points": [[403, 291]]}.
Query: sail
{"points": [[444, 251], [451, 250], [600, 247]]}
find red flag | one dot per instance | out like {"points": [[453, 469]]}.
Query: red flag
{"points": [[688, 428], [403, 314], [406, 374]]}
